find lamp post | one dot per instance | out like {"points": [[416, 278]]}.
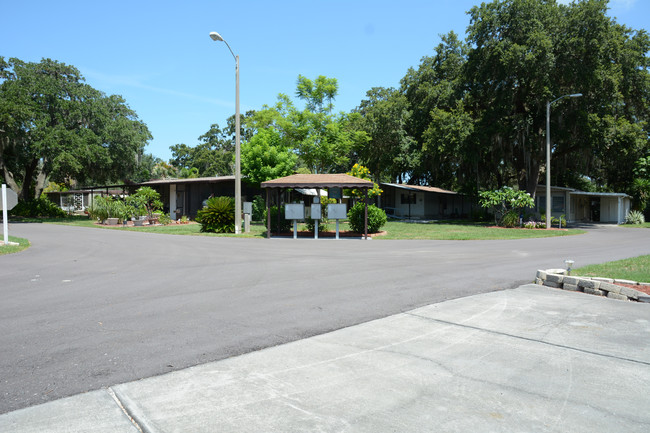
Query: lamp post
{"points": [[217, 37], [548, 155]]}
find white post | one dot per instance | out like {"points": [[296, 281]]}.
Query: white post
{"points": [[295, 229], [5, 222], [337, 229]]}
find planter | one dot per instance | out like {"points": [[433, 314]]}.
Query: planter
{"points": [[138, 222], [112, 221]]}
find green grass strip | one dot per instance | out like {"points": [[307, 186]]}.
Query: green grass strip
{"points": [[23, 244], [635, 269]]}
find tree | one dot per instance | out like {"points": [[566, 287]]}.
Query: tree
{"points": [[504, 201], [322, 140], [265, 157], [390, 150], [54, 126], [475, 111], [211, 157]]}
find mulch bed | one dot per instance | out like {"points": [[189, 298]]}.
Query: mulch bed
{"points": [[640, 287], [328, 234]]}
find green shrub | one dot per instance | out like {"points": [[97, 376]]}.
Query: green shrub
{"points": [[218, 216], [108, 207], [634, 217], [164, 219], [285, 224], [259, 207], [510, 219], [376, 218], [40, 207], [555, 221]]}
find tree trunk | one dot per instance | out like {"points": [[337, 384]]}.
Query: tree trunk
{"points": [[27, 192]]}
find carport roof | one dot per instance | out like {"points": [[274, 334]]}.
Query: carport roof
{"points": [[340, 180]]}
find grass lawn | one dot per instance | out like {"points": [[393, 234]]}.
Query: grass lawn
{"points": [[464, 230], [442, 230], [8, 249], [635, 269], [636, 226]]}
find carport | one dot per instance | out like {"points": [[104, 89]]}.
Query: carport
{"points": [[318, 182]]}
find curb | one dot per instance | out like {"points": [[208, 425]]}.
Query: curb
{"points": [[606, 287]]}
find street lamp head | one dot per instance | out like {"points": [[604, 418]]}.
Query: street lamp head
{"points": [[575, 95], [216, 36]]}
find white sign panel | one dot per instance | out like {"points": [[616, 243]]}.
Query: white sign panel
{"points": [[11, 197], [294, 211], [337, 211], [248, 207], [315, 211]]}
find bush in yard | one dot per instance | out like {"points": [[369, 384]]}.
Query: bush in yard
{"points": [[511, 219], [218, 216], [635, 217], [40, 207], [285, 224], [259, 206], [376, 218]]}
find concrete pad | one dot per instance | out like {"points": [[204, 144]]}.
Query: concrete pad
{"points": [[95, 412], [530, 359]]}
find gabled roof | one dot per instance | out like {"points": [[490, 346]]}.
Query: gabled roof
{"points": [[420, 188], [340, 180]]}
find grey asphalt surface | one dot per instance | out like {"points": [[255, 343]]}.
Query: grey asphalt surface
{"points": [[530, 359], [85, 309]]}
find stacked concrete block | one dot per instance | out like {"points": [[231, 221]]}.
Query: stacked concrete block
{"points": [[558, 279]]}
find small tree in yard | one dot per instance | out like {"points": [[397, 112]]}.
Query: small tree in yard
{"points": [[507, 203], [218, 216]]}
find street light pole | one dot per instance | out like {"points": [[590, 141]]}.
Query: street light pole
{"points": [[217, 37], [548, 155]]}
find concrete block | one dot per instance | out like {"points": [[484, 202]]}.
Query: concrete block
{"points": [[541, 275], [589, 284], [604, 280], [556, 271], [612, 288], [552, 284], [539, 281], [631, 293], [594, 291], [554, 278], [570, 280], [620, 297], [616, 280], [644, 298], [571, 287]]}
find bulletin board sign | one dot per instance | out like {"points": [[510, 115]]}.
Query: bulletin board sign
{"points": [[337, 211], [294, 211]]}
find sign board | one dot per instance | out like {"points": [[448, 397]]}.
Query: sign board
{"points": [[294, 211], [11, 197], [315, 211], [335, 192], [336, 211], [248, 207]]}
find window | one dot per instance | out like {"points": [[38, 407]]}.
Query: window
{"points": [[558, 203], [541, 202], [408, 198]]}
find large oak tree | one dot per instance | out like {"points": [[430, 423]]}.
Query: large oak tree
{"points": [[54, 126]]}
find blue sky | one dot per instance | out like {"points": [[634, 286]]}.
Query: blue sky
{"points": [[159, 56]]}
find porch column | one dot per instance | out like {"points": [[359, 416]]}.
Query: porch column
{"points": [[172, 201]]}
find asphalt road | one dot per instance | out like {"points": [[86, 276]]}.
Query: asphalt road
{"points": [[83, 308]]}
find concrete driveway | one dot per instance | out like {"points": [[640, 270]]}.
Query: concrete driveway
{"points": [[84, 309], [531, 359]]}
